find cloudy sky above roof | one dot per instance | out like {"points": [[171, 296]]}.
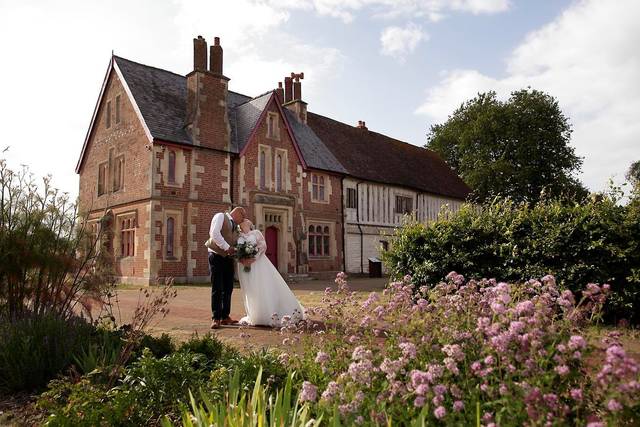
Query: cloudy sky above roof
{"points": [[400, 65]]}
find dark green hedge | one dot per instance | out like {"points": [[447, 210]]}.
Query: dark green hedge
{"points": [[595, 241]]}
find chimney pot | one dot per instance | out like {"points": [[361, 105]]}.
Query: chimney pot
{"points": [[362, 125], [199, 54], [288, 89], [280, 93], [215, 57]]}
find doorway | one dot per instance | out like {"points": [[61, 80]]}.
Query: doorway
{"points": [[271, 237]]}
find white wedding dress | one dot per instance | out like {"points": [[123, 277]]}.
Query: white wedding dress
{"points": [[268, 300]]}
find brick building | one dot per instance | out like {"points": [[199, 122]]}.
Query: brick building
{"points": [[164, 152]]}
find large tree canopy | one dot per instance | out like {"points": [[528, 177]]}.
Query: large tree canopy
{"points": [[517, 148], [633, 174]]}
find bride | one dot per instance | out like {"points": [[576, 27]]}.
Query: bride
{"points": [[267, 298]]}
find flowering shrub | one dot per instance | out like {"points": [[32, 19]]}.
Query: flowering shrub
{"points": [[465, 352]]}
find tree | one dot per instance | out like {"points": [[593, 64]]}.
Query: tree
{"points": [[517, 148], [633, 174]]}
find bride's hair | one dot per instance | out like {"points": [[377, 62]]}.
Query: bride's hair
{"points": [[248, 224]]}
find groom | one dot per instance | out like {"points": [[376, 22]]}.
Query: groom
{"points": [[224, 235]]}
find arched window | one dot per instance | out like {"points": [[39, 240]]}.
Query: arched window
{"points": [[170, 236], [263, 172], [172, 167], [319, 241], [279, 172]]}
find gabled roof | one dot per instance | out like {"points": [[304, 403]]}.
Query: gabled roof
{"points": [[160, 100], [372, 156]]}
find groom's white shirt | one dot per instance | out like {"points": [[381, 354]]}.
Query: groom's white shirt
{"points": [[214, 231]]}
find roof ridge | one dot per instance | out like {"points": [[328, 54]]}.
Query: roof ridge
{"points": [[148, 66], [372, 131], [252, 99]]}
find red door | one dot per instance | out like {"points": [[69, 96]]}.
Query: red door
{"points": [[271, 236]]}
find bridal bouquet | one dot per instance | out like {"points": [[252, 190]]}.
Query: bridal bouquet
{"points": [[246, 250]]}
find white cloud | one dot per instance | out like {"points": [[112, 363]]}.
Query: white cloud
{"points": [[588, 59], [400, 41]]}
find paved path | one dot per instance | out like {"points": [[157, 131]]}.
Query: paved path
{"points": [[190, 311]]}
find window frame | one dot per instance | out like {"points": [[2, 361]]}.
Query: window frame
{"points": [[352, 198], [103, 180], [107, 123], [170, 245], [117, 183], [319, 240], [278, 164], [262, 170], [404, 204], [319, 188], [127, 225], [171, 167], [118, 111], [273, 126]]}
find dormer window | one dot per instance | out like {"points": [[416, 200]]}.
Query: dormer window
{"points": [[273, 130]]}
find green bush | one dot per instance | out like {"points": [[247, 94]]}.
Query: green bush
{"points": [[596, 241], [36, 348], [211, 347]]}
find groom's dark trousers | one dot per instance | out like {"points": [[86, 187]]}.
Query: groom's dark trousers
{"points": [[222, 269]]}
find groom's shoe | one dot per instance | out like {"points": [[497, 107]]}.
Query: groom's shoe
{"points": [[228, 321], [215, 324]]}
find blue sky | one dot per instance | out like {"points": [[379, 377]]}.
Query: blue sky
{"points": [[400, 65]]}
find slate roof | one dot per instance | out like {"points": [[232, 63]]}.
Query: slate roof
{"points": [[324, 143], [372, 156]]}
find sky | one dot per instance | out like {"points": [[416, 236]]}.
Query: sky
{"points": [[399, 65]]}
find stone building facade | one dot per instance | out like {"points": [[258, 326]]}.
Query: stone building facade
{"points": [[165, 152]]}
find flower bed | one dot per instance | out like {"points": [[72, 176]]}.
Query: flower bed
{"points": [[465, 352]]}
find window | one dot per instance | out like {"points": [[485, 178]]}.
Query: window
{"points": [[127, 236], [172, 167], [263, 172], [272, 126], [108, 115], [404, 205], [317, 188], [319, 243], [385, 245], [102, 178], [118, 174], [279, 172], [117, 109], [170, 236], [352, 198]]}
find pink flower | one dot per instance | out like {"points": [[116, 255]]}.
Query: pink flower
{"points": [[576, 342], [408, 350], [309, 392], [419, 402], [613, 405], [562, 370], [440, 412], [489, 360], [322, 357], [576, 394], [458, 405], [361, 353], [331, 391]]}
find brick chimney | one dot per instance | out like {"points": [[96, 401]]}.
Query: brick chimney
{"points": [[280, 93], [293, 96], [207, 122], [362, 125]]}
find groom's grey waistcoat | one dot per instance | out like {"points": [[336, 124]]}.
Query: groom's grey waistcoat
{"points": [[228, 233]]}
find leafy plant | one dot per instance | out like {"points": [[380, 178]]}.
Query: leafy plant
{"points": [[594, 241], [36, 348], [242, 407]]}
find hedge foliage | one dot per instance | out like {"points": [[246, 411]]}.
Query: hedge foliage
{"points": [[595, 241]]}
